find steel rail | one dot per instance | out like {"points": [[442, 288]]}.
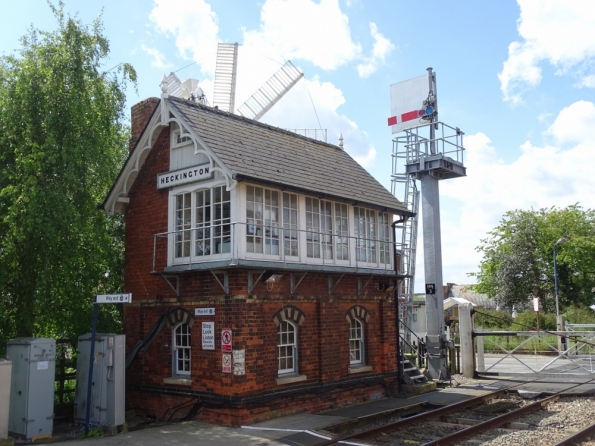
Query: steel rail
{"points": [[417, 419], [471, 431], [583, 434]]}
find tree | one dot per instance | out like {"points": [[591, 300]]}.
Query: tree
{"points": [[62, 142], [518, 261]]}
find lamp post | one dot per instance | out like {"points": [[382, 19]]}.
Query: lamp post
{"points": [[561, 240]]}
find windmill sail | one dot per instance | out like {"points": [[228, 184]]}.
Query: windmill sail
{"points": [[225, 76], [270, 93]]}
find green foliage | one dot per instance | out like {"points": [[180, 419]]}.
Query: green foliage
{"points": [[62, 141], [576, 315], [518, 260], [492, 319], [527, 320]]}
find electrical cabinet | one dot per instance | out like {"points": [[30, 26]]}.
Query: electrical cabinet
{"points": [[5, 378], [108, 384], [32, 387]]}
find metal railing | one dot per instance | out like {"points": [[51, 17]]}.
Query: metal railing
{"points": [[416, 142], [317, 134], [537, 352], [325, 245]]}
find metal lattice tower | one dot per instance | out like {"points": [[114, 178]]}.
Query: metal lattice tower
{"points": [[224, 94], [270, 93]]}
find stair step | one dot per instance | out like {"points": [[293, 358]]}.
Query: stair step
{"points": [[417, 376]]}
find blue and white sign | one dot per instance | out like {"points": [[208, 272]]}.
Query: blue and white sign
{"points": [[122, 298], [204, 312]]}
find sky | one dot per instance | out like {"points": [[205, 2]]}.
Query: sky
{"points": [[518, 77]]}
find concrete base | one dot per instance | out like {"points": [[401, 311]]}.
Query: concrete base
{"points": [[7, 441], [115, 430], [420, 388]]}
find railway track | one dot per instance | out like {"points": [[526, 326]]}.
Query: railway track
{"points": [[487, 419]]}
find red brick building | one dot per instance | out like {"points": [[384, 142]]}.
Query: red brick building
{"points": [[245, 237]]}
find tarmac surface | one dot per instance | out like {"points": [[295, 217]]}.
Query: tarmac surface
{"points": [[307, 429]]}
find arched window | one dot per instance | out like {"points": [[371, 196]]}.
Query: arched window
{"points": [[356, 342], [181, 349], [287, 348]]}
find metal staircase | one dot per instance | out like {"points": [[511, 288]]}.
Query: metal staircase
{"points": [[404, 183], [411, 374]]}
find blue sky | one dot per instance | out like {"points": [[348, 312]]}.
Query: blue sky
{"points": [[517, 77]]}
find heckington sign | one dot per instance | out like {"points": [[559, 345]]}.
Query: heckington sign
{"points": [[186, 175]]}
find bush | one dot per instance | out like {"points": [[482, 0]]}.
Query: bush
{"points": [[492, 319], [576, 315], [527, 320]]}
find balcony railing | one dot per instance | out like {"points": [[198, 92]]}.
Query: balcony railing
{"points": [[230, 241]]}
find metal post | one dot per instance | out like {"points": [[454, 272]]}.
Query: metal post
{"points": [[560, 240], [466, 334], [91, 360]]}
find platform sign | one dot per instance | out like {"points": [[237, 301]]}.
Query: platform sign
{"points": [[407, 104], [208, 335], [226, 340], [226, 363], [122, 298]]}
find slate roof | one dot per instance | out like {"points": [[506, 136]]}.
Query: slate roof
{"points": [[263, 154]]}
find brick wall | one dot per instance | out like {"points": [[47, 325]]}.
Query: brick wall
{"points": [[323, 337], [140, 115]]}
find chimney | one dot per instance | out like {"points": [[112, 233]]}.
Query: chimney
{"points": [[139, 116]]}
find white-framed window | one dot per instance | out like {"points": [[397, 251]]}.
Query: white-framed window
{"points": [[181, 349], [356, 342], [178, 139], [202, 223], [384, 237], [341, 231], [290, 224], [414, 317], [287, 348], [372, 232], [262, 220]]}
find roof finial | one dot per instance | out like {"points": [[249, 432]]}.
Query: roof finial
{"points": [[341, 140], [163, 84]]}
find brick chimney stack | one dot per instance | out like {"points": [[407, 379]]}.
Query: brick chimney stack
{"points": [[139, 116]]}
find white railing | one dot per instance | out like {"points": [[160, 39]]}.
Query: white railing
{"points": [[355, 251]]}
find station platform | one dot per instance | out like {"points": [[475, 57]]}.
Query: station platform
{"points": [[308, 429]]}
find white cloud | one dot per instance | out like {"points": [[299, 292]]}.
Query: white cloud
{"points": [[541, 177], [304, 29], [557, 31], [158, 60], [194, 26], [308, 30], [382, 48], [587, 81]]}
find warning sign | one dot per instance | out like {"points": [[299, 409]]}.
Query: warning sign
{"points": [[226, 363], [226, 340], [239, 362]]}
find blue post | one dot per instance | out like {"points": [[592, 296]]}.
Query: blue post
{"points": [[90, 380]]}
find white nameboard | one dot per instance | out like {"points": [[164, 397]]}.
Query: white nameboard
{"points": [[208, 335], [182, 176], [204, 311], [122, 298]]}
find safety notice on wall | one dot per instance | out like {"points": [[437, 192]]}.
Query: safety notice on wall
{"points": [[208, 335], [239, 362], [226, 363], [226, 340]]}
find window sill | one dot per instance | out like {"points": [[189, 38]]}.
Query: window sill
{"points": [[178, 381], [289, 379], [360, 369]]}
